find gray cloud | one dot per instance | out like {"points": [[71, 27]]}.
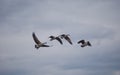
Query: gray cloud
{"points": [[96, 21]]}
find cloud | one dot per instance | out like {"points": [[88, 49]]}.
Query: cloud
{"points": [[96, 21]]}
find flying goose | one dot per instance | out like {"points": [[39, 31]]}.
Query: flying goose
{"points": [[38, 43], [66, 38], [55, 38], [84, 43]]}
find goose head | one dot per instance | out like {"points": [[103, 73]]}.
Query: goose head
{"points": [[51, 38]]}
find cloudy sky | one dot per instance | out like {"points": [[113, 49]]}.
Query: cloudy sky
{"points": [[94, 20]]}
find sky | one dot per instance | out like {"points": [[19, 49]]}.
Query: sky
{"points": [[96, 21]]}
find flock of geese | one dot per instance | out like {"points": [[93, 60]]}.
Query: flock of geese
{"points": [[59, 38]]}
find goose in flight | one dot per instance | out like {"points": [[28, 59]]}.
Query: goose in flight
{"points": [[84, 43], [66, 37], [55, 38], [38, 43]]}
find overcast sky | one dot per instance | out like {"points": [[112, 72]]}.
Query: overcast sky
{"points": [[95, 20]]}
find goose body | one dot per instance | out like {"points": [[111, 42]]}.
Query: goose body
{"points": [[38, 43], [66, 37], [56, 38], [84, 43]]}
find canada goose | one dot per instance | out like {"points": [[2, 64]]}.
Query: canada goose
{"points": [[66, 38], [83, 43], [55, 38], [38, 43]]}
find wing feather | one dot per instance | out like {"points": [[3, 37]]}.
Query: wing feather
{"points": [[68, 39], [89, 44], [57, 38], [45, 45], [35, 39]]}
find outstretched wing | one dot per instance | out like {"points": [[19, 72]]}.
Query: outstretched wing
{"points": [[81, 41], [89, 44], [57, 38], [35, 39], [68, 39], [45, 45]]}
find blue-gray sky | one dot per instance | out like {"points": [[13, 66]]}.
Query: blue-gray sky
{"points": [[93, 20]]}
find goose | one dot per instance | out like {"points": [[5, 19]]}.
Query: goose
{"points": [[65, 36], [38, 43], [84, 43], [55, 38]]}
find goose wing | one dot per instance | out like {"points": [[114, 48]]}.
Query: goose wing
{"points": [[45, 45], [57, 38], [89, 44], [68, 39], [35, 39], [81, 41]]}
